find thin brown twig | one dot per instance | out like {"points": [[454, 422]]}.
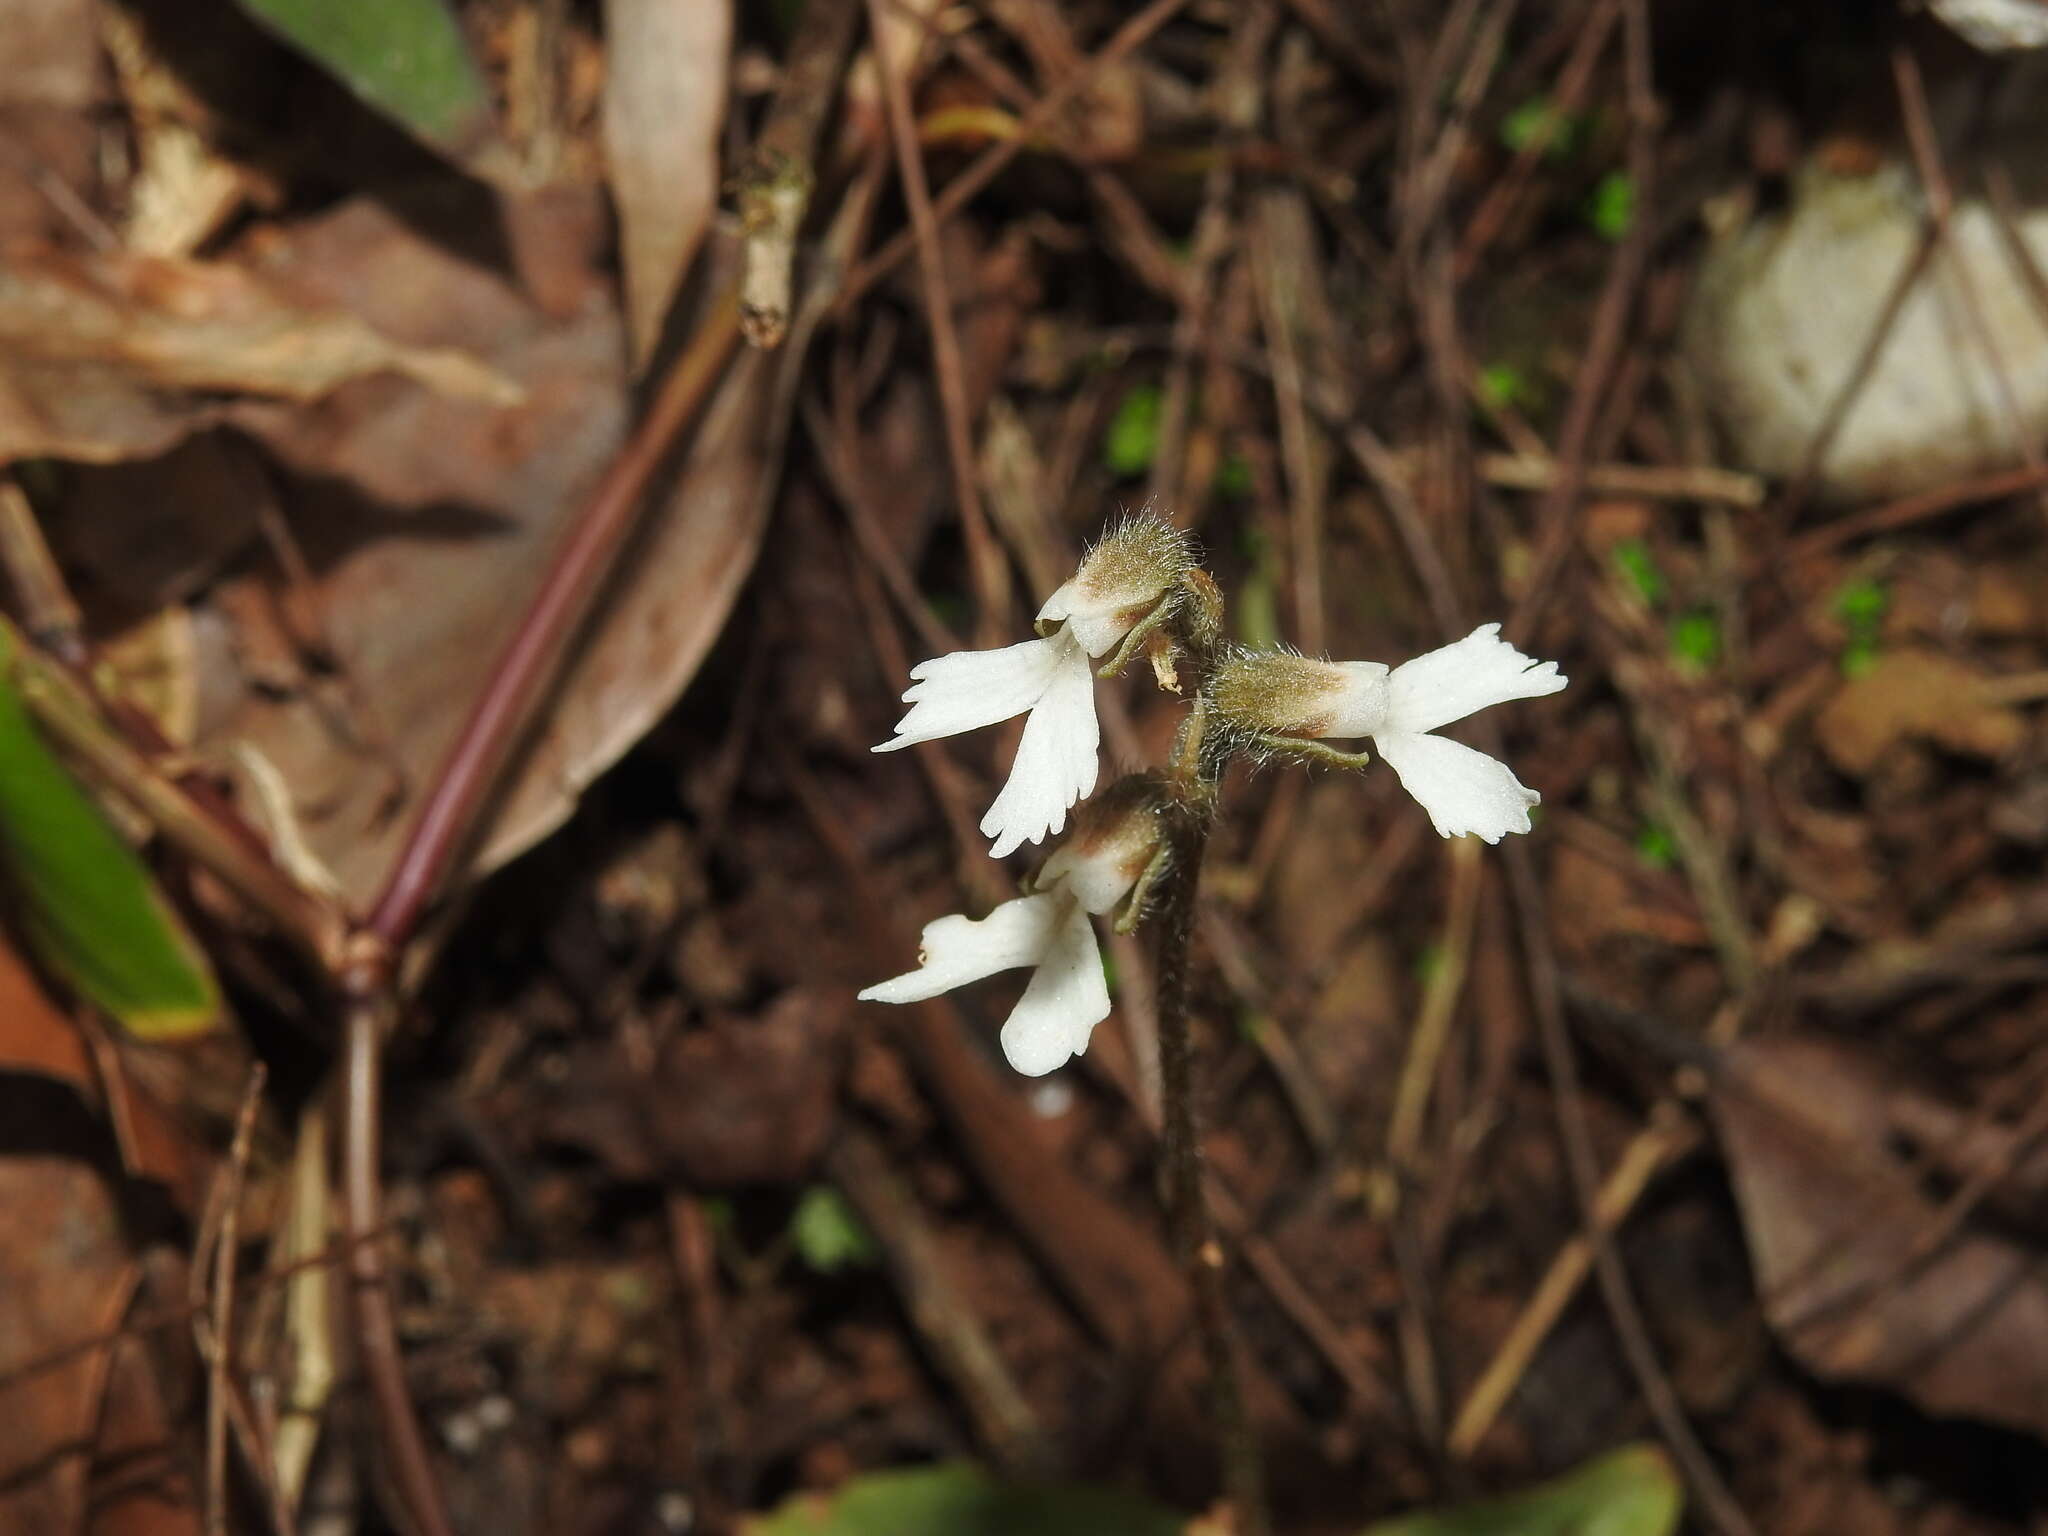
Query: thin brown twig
{"points": [[220, 1346], [529, 662], [1654, 1148], [1565, 99], [1561, 1062], [48, 611], [367, 1016], [1557, 515], [984, 555], [1934, 182], [1238, 91], [1917, 508], [943, 1315], [1030, 128]]}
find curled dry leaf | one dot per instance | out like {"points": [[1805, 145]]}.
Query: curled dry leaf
{"points": [[664, 107], [1919, 694], [417, 607], [1833, 1219], [110, 356]]}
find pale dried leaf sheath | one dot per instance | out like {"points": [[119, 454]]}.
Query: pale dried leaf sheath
{"points": [[114, 356], [664, 105]]}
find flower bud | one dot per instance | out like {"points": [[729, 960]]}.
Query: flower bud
{"points": [[1114, 838], [1282, 694], [1121, 580]]}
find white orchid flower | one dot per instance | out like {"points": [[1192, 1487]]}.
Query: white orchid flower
{"points": [[1120, 584], [1056, 761], [1463, 790], [1048, 930]]}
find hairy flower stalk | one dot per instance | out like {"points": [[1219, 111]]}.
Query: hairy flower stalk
{"points": [[1137, 850]]}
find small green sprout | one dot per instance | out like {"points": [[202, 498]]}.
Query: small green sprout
{"points": [[1861, 606], [1696, 642], [828, 1235], [1612, 207], [1506, 387], [1541, 117], [1656, 847], [1638, 567], [1132, 440]]}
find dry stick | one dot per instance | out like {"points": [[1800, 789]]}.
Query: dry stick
{"points": [[1239, 91], [1914, 509], [1565, 99], [1557, 515], [221, 1345], [1808, 474], [943, 1315], [984, 555], [1194, 780], [1653, 1148], [1561, 1062], [775, 188], [1030, 129], [1300, 450], [528, 663], [367, 1016], [1941, 208], [1439, 1005], [47, 608]]}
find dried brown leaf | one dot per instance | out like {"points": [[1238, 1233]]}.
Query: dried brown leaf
{"points": [[87, 1446], [1833, 1217], [1919, 694], [416, 615], [664, 108], [111, 355]]}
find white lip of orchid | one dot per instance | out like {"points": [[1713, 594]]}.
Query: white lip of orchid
{"points": [[1049, 931], [1463, 790], [1098, 625], [1056, 763]]}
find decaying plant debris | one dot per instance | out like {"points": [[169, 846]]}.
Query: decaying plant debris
{"points": [[464, 527]]}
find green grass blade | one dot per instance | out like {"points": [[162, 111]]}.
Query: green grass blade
{"points": [[82, 899], [406, 58]]}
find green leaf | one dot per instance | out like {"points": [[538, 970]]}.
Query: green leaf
{"points": [[406, 58], [1133, 436], [83, 900], [1503, 385], [1536, 116], [1656, 847], [1696, 642], [1638, 567], [1612, 208], [1630, 1492], [828, 1235], [956, 1498], [1861, 604]]}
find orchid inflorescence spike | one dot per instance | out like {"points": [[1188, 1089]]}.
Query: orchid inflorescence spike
{"points": [[1140, 589]]}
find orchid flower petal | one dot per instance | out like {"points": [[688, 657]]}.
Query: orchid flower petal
{"points": [[955, 950], [1464, 790], [965, 690], [1067, 998], [1453, 681], [1056, 758]]}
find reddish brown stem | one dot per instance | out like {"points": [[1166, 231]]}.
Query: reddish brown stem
{"points": [[529, 662]]}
